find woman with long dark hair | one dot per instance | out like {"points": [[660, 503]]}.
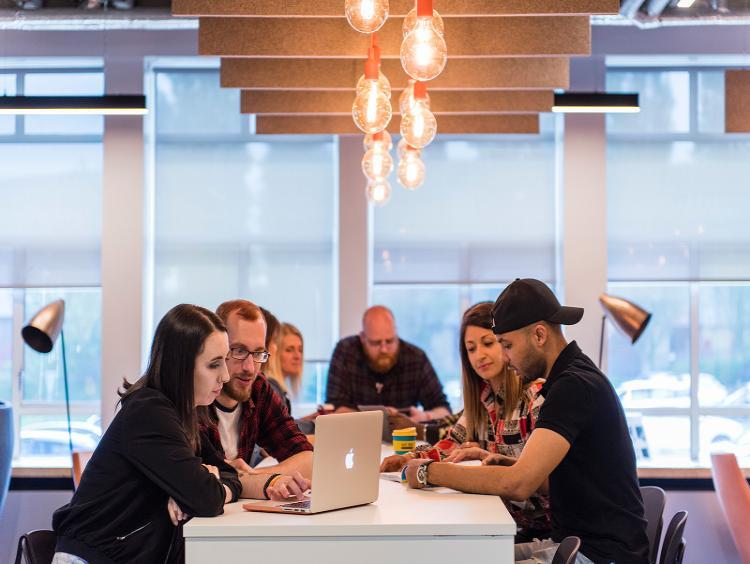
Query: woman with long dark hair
{"points": [[150, 469], [499, 415]]}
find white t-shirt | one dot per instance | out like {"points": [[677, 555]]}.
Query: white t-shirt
{"points": [[229, 430]]}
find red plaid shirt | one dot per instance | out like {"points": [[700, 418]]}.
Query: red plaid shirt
{"points": [[264, 421]]}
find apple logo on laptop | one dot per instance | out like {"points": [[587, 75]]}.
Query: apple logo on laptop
{"points": [[349, 459]]}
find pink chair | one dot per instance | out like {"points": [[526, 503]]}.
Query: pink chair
{"points": [[734, 497]]}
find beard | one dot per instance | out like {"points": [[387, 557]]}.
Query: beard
{"points": [[383, 362], [236, 391], [533, 367]]}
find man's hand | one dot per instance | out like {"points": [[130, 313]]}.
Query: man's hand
{"points": [[287, 487], [401, 421], [175, 513], [411, 473], [395, 462]]}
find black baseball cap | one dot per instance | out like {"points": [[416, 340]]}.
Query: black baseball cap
{"points": [[526, 301]]}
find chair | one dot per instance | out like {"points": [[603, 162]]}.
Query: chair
{"points": [[734, 498], [36, 547], [654, 500], [673, 547], [567, 551], [80, 460]]}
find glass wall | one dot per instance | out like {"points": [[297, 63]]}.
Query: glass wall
{"points": [[484, 216], [50, 233], [239, 215], [679, 246]]}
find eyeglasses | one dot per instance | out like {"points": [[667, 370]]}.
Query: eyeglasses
{"points": [[240, 353]]}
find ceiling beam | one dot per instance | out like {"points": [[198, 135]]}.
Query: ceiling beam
{"points": [[285, 102], [528, 73], [397, 8], [343, 125], [737, 101], [334, 38]]}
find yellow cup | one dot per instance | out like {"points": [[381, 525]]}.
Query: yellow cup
{"points": [[404, 440]]}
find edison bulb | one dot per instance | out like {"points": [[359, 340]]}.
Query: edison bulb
{"points": [[371, 109], [419, 126], [383, 84], [411, 171], [377, 163], [423, 51], [366, 16], [379, 192], [410, 22], [407, 100], [386, 142], [403, 147]]}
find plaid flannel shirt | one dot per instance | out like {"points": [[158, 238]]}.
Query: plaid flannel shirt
{"points": [[265, 421], [411, 382]]}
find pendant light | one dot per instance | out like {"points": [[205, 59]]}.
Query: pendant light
{"points": [[377, 162], [419, 125], [379, 192], [371, 110], [411, 169], [423, 50], [366, 16]]}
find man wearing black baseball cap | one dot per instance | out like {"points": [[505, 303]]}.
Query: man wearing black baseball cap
{"points": [[580, 449]]}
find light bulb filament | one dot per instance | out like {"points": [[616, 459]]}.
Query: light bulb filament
{"points": [[367, 9]]}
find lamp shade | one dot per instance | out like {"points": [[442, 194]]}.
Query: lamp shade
{"points": [[629, 318], [44, 328]]}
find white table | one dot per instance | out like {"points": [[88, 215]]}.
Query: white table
{"points": [[439, 526]]}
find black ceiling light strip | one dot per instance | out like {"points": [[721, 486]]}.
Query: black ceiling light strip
{"points": [[110, 104], [596, 102]]}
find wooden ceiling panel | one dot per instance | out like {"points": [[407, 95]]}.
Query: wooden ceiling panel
{"points": [[284, 102], [737, 101], [531, 73], [334, 38], [343, 125], [447, 8]]}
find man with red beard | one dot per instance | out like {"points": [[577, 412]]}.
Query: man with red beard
{"points": [[377, 368], [248, 411]]}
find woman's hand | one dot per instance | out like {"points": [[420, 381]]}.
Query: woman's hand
{"points": [[498, 460], [175, 513], [395, 462], [470, 453], [213, 470], [285, 487]]}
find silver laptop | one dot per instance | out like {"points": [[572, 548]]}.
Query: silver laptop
{"points": [[346, 465]]}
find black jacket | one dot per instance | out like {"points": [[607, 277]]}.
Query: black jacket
{"points": [[119, 511]]}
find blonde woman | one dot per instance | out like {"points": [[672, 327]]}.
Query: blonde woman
{"points": [[499, 415]]}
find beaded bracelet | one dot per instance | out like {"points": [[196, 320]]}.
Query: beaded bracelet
{"points": [[268, 483]]}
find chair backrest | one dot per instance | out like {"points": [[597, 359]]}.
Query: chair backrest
{"points": [[673, 547], [734, 498], [567, 551], [36, 547], [654, 500], [80, 460]]}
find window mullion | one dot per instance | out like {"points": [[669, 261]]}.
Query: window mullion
{"points": [[694, 374]]}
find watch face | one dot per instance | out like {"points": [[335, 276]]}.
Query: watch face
{"points": [[422, 474]]}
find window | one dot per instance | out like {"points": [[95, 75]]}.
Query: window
{"points": [[486, 216], [50, 233], [239, 215], [678, 246]]}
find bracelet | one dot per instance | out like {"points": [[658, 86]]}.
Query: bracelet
{"points": [[268, 483]]}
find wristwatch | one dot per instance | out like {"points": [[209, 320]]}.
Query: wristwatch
{"points": [[422, 474]]}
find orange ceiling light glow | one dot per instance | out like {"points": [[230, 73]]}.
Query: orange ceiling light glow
{"points": [[423, 50], [372, 110], [366, 16], [419, 125], [411, 169]]}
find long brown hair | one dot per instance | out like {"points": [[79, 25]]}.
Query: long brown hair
{"points": [[294, 379], [475, 414], [178, 340]]}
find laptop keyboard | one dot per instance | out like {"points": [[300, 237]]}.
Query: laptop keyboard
{"points": [[297, 505]]}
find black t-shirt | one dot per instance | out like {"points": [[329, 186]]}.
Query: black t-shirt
{"points": [[594, 491]]}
